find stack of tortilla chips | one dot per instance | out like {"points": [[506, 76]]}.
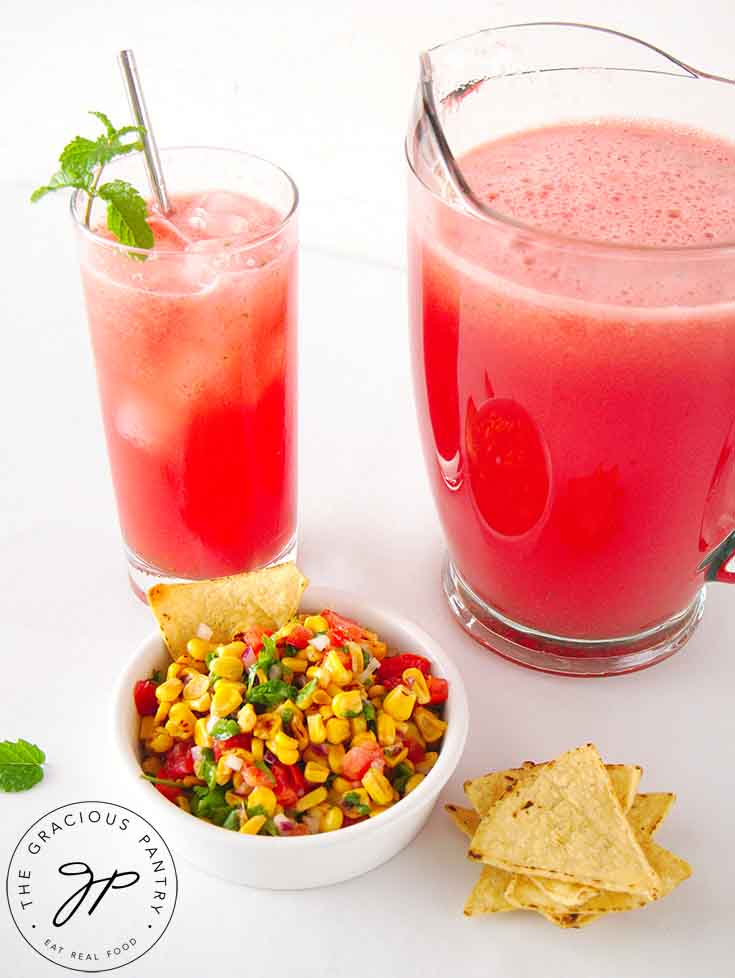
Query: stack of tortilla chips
{"points": [[569, 839]]}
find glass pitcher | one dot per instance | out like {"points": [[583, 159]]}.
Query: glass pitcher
{"points": [[575, 393]]}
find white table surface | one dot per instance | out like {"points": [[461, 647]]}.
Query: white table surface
{"points": [[324, 89]]}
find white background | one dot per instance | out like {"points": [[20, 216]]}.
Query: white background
{"points": [[324, 89]]}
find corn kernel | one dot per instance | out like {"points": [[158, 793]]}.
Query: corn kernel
{"points": [[378, 649], [295, 665], [413, 782], [201, 705], [399, 703], [147, 726], [247, 718], [395, 754], [379, 809], [316, 624], [232, 798], [358, 725], [341, 785], [161, 741], [335, 757], [412, 732], [267, 725], [253, 825], [347, 704], [285, 755], [181, 721], [377, 702], [313, 655], [174, 670], [326, 712], [198, 648], [227, 667], [264, 798], [338, 674], [358, 796], [376, 690], [386, 729], [284, 742], [226, 699], [169, 691], [183, 802], [332, 819], [196, 686], [368, 737], [161, 713], [152, 765], [233, 650], [201, 734], [315, 797], [223, 772], [258, 749], [423, 767], [316, 728], [338, 730], [431, 727], [416, 682], [378, 786], [357, 659], [316, 773], [322, 698]]}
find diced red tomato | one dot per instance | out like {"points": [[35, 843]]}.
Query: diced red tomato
{"points": [[179, 762], [255, 777], [416, 753], [350, 629], [239, 740], [438, 690], [144, 695], [290, 784], [253, 638], [358, 759], [168, 792], [299, 637], [391, 668]]}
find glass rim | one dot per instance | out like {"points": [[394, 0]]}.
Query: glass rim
{"points": [[482, 212], [260, 239]]}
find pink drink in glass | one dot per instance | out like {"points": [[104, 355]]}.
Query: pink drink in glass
{"points": [[195, 351]]}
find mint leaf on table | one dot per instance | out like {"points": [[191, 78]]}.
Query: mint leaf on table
{"points": [[82, 161], [126, 214], [20, 765]]}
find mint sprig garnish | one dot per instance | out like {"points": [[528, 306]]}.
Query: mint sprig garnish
{"points": [[81, 164], [20, 765]]}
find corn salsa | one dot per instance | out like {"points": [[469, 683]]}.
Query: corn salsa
{"points": [[306, 729]]}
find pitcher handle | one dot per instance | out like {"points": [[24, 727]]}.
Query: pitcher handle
{"points": [[715, 563]]}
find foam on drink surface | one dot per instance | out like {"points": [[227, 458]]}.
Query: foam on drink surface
{"points": [[636, 183]]}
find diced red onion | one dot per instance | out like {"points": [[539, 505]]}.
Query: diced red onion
{"points": [[283, 823], [312, 821], [233, 762], [204, 631], [196, 754], [249, 658], [319, 642]]}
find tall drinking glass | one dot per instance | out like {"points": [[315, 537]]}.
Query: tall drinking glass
{"points": [[574, 373], [195, 351]]}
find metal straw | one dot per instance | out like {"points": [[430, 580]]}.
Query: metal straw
{"points": [[140, 112]]}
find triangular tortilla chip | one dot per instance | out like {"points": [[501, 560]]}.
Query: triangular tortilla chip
{"points": [[484, 791], [532, 893], [265, 598], [566, 823], [487, 895], [649, 810], [670, 869], [465, 819]]}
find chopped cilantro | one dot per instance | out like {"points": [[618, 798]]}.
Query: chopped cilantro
{"points": [[305, 692], [271, 693], [224, 729]]}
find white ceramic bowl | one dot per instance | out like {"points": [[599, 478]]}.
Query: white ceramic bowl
{"points": [[297, 862]]}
